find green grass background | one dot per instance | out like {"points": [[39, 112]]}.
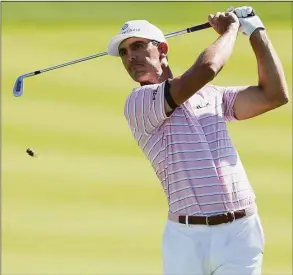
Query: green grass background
{"points": [[90, 203]]}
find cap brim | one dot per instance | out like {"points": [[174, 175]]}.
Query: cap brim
{"points": [[116, 41]]}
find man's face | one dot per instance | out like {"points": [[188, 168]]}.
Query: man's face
{"points": [[141, 59]]}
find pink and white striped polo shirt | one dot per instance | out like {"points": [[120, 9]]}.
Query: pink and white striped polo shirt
{"points": [[191, 151]]}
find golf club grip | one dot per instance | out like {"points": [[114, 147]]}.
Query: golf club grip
{"points": [[198, 27], [207, 25]]}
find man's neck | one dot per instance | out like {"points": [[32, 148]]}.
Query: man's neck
{"points": [[167, 74]]}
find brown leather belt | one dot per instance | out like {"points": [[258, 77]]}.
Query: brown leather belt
{"points": [[214, 219]]}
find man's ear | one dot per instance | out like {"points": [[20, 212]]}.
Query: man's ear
{"points": [[163, 49]]}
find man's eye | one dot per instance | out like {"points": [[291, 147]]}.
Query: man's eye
{"points": [[122, 52], [138, 46]]}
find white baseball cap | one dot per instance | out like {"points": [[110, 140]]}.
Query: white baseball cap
{"points": [[135, 28]]}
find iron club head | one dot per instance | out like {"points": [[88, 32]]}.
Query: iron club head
{"points": [[18, 87]]}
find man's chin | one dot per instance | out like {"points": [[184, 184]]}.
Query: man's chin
{"points": [[141, 77]]}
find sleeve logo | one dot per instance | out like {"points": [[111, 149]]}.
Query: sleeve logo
{"points": [[154, 94]]}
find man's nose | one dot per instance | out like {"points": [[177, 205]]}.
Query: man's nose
{"points": [[131, 56]]}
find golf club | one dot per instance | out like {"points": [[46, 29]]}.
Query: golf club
{"points": [[19, 85]]}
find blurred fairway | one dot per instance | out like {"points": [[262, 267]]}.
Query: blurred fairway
{"points": [[90, 203]]}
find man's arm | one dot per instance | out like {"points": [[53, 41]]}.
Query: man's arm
{"points": [[272, 91], [209, 63]]}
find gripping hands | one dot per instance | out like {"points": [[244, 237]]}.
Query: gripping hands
{"points": [[249, 21]]}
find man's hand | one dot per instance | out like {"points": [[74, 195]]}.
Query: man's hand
{"points": [[248, 23], [221, 21]]}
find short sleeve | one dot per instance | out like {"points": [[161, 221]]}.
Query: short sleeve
{"points": [[145, 108], [228, 95]]}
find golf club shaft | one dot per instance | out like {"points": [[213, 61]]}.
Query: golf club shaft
{"points": [[65, 64], [188, 30]]}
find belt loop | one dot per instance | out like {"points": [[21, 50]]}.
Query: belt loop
{"points": [[207, 220], [186, 220]]}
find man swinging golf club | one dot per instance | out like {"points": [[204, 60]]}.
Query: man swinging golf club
{"points": [[179, 123]]}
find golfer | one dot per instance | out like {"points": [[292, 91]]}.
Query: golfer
{"points": [[179, 123]]}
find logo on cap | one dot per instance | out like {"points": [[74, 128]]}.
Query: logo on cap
{"points": [[124, 27]]}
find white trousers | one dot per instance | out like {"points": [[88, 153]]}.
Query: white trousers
{"points": [[225, 249]]}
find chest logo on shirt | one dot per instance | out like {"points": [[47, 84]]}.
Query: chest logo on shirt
{"points": [[202, 105]]}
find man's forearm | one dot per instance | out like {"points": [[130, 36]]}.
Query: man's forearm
{"points": [[209, 63], [271, 74], [217, 54]]}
